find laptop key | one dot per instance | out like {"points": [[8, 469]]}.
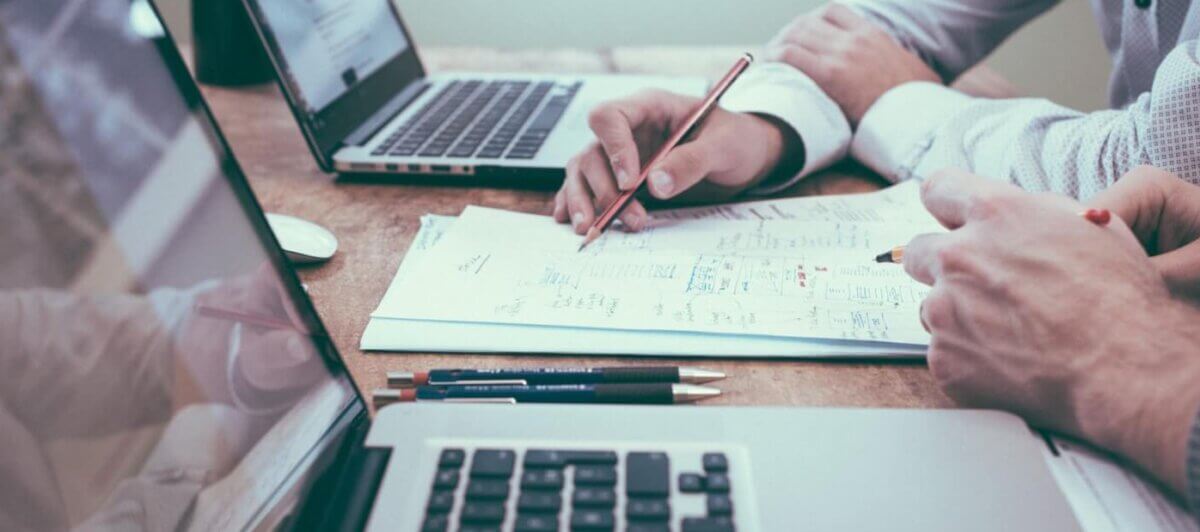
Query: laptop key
{"points": [[707, 524], [647, 510], [594, 498], [595, 476], [648, 527], [592, 520], [553, 458], [480, 528], [482, 513], [691, 483], [435, 523], [452, 458], [536, 523], [542, 479], [719, 504], [445, 479], [717, 483], [441, 502], [493, 463], [539, 502], [715, 463], [647, 475], [481, 490]]}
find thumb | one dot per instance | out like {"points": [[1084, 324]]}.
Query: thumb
{"points": [[681, 169], [1181, 269]]}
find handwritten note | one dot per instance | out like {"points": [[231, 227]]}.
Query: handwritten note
{"points": [[703, 273]]}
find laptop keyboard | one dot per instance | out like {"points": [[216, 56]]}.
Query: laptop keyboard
{"points": [[576, 490], [482, 119]]}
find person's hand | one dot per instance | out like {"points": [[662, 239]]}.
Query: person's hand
{"points": [[852, 60], [267, 361], [1037, 311], [1164, 212], [729, 153]]}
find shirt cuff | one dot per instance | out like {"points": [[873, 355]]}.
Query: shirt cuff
{"points": [[780, 91], [899, 128]]}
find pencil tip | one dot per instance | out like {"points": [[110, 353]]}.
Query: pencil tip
{"points": [[884, 257]]}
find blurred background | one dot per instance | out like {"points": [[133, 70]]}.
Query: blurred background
{"points": [[1060, 56]]}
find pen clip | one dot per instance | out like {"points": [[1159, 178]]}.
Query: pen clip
{"points": [[492, 400], [497, 382]]}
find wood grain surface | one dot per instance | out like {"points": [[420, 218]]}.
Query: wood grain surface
{"points": [[376, 222]]}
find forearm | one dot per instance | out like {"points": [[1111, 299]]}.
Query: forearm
{"points": [[74, 365], [918, 128], [951, 36], [807, 116]]}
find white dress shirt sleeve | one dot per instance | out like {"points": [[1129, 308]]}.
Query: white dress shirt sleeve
{"points": [[918, 128], [782, 92]]}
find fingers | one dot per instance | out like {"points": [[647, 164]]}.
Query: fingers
{"points": [[599, 177], [614, 124], [1181, 270], [844, 17], [953, 197], [580, 203], [798, 57], [1161, 209], [921, 257], [560, 213], [681, 169]]}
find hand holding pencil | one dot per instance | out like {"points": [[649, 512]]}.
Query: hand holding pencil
{"points": [[727, 154]]}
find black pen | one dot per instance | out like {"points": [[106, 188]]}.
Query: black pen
{"points": [[573, 375], [653, 393]]}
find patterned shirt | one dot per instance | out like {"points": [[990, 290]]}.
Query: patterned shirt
{"points": [[918, 128]]}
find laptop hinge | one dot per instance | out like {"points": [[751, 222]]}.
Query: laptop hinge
{"points": [[389, 110], [341, 498]]}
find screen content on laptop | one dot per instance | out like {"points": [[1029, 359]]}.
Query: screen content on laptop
{"points": [[159, 368], [329, 46]]}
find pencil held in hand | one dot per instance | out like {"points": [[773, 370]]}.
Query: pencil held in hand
{"points": [[1100, 217], [693, 121]]}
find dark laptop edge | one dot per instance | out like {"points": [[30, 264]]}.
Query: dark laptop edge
{"points": [[334, 125], [339, 459]]}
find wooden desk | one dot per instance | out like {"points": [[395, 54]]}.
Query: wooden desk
{"points": [[376, 223]]}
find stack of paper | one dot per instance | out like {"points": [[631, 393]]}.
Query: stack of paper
{"points": [[773, 278]]}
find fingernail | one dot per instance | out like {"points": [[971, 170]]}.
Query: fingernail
{"points": [[662, 182], [623, 179], [577, 219]]}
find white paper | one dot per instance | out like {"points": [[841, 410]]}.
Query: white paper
{"points": [[384, 334], [704, 275], [1108, 496], [896, 204]]}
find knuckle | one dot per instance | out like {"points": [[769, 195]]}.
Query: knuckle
{"points": [[938, 311], [953, 257], [986, 205]]}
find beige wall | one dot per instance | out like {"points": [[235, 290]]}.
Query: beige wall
{"points": [[1060, 56]]}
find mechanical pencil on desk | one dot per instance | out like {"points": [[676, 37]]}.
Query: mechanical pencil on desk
{"points": [[692, 122], [653, 393], [1100, 217], [573, 375]]}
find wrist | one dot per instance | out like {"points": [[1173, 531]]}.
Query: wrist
{"points": [[1148, 410], [784, 150]]}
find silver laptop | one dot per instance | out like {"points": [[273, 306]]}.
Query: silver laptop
{"points": [[352, 75], [165, 370]]}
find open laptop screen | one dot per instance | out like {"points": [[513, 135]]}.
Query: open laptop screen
{"points": [[160, 367], [339, 62], [329, 46]]}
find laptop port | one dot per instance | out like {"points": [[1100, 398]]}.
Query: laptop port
{"points": [[440, 168], [393, 167]]}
